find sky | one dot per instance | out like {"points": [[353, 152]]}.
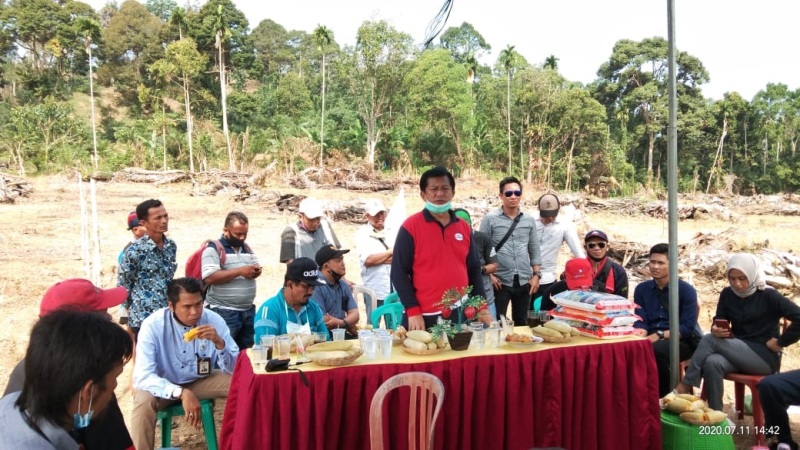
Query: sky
{"points": [[744, 44]]}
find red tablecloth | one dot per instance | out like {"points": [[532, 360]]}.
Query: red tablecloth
{"points": [[601, 396]]}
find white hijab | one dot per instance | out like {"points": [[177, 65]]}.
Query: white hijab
{"points": [[751, 267]]}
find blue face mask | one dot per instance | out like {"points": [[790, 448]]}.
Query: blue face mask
{"points": [[82, 421], [437, 209]]}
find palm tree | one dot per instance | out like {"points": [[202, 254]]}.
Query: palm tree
{"points": [[90, 30], [507, 60], [472, 67], [323, 37], [222, 32], [178, 18], [551, 62]]}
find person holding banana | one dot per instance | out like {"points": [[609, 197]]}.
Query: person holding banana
{"points": [[177, 351]]}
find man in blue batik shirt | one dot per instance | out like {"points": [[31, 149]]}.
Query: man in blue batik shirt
{"points": [[652, 298], [148, 265], [175, 357]]}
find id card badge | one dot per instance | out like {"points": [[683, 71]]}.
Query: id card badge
{"points": [[203, 365]]}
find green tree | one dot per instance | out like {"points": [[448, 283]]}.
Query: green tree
{"points": [[635, 78], [377, 67], [323, 38], [221, 32], [181, 65], [463, 42], [551, 62], [161, 8], [438, 92], [507, 60], [90, 30]]}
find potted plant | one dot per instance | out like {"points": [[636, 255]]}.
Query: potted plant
{"points": [[466, 308]]}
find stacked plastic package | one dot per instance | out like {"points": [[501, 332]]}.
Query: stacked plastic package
{"points": [[596, 314]]}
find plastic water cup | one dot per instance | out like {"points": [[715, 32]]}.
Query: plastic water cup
{"points": [[259, 357], [479, 338], [338, 334], [320, 336], [494, 336], [544, 316], [370, 344], [284, 345], [386, 345], [267, 343]]}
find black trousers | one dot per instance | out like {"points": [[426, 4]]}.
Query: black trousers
{"points": [[520, 299], [661, 351]]}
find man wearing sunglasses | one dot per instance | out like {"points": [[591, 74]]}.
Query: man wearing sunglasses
{"points": [[609, 276], [513, 234]]}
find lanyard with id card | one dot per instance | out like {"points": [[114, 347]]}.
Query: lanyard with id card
{"points": [[203, 364]]}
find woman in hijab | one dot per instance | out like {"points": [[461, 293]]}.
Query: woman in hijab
{"points": [[752, 343]]}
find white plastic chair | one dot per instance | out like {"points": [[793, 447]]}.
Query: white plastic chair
{"points": [[367, 295], [425, 402]]}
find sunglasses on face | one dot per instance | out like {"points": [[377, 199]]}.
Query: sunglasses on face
{"points": [[510, 193], [596, 244]]}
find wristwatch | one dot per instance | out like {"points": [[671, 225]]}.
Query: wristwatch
{"points": [[537, 274], [660, 334], [176, 393], [483, 270]]}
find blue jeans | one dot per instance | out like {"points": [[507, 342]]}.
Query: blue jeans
{"points": [[240, 324]]}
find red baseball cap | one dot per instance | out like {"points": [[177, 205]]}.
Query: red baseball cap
{"points": [[82, 295], [578, 274]]}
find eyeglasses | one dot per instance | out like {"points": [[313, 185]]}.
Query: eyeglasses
{"points": [[517, 193], [305, 286], [596, 244]]}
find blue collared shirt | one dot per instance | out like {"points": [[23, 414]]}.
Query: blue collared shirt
{"points": [[145, 272], [164, 361], [274, 313], [655, 317]]}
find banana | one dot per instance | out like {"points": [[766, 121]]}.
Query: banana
{"points": [[432, 346], [330, 346], [414, 344], [559, 326], [547, 332], [711, 417], [419, 335], [190, 335], [679, 405], [690, 397]]}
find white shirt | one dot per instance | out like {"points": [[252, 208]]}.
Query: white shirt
{"points": [[375, 277], [550, 238]]}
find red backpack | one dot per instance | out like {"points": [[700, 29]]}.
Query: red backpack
{"points": [[194, 265]]}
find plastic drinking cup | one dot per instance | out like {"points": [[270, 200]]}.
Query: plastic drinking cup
{"points": [[544, 316], [259, 357], [533, 319], [386, 345], [284, 345], [370, 344], [267, 343], [479, 338], [338, 334], [320, 336], [494, 336]]}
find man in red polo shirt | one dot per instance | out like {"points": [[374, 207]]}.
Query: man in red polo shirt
{"points": [[433, 252]]}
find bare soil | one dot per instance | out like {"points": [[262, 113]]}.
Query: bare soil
{"points": [[40, 238]]}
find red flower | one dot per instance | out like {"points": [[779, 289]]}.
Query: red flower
{"points": [[446, 312], [484, 307], [470, 312]]}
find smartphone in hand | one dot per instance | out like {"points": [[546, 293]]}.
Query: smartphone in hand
{"points": [[724, 324]]}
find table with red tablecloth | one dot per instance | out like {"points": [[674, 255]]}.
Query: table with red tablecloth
{"points": [[583, 395]]}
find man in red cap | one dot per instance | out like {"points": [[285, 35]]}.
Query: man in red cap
{"points": [[107, 431]]}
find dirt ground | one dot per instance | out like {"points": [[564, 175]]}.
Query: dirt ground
{"points": [[40, 241]]}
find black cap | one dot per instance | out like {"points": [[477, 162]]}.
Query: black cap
{"points": [[327, 253], [595, 234], [303, 269]]}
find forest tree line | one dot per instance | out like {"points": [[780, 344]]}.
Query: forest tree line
{"points": [[156, 86]]}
